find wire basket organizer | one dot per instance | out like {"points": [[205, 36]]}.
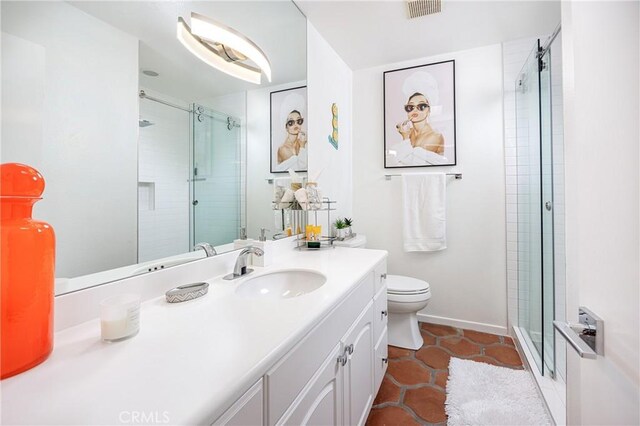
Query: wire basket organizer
{"points": [[300, 218], [326, 241]]}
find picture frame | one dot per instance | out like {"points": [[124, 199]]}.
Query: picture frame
{"points": [[420, 116], [288, 109]]}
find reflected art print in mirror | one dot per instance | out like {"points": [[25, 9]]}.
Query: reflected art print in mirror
{"points": [[147, 149], [288, 130], [420, 116]]}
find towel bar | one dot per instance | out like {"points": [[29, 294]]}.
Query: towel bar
{"points": [[455, 175]]}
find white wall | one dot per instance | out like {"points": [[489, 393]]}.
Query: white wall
{"points": [[330, 81], [82, 131], [601, 95], [468, 278]]}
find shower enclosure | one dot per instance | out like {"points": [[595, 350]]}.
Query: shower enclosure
{"points": [[216, 192], [540, 203], [190, 177]]}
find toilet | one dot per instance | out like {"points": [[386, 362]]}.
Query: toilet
{"points": [[405, 297]]}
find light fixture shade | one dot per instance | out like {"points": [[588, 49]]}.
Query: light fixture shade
{"points": [[215, 32], [205, 31]]}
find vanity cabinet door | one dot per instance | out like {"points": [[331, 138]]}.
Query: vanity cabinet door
{"points": [[380, 313], [380, 361], [321, 401], [247, 410], [287, 379], [379, 276], [359, 375]]}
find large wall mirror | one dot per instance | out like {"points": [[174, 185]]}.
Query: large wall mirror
{"points": [[146, 150]]}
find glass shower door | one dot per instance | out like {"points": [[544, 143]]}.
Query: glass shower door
{"points": [[529, 212], [535, 209], [216, 196], [546, 186]]}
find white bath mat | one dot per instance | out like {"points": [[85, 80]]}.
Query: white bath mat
{"points": [[483, 394]]}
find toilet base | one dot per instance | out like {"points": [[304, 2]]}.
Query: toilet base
{"points": [[404, 331]]}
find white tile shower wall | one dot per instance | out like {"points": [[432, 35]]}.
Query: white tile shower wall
{"points": [[163, 176], [514, 55]]}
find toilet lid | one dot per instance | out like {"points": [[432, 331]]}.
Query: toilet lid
{"points": [[398, 284]]}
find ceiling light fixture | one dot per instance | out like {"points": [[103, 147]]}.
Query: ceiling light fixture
{"points": [[223, 48]]}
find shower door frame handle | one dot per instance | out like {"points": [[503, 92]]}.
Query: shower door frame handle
{"points": [[589, 347]]}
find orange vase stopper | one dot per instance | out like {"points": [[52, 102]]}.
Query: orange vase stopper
{"points": [[27, 273]]}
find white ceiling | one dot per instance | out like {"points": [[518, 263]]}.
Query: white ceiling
{"points": [[371, 33], [277, 27]]}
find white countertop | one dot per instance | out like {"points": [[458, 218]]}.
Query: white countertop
{"points": [[190, 360]]}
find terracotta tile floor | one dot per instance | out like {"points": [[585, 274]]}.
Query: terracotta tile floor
{"points": [[413, 390]]}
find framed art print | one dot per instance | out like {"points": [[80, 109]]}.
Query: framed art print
{"points": [[420, 116], [288, 130]]}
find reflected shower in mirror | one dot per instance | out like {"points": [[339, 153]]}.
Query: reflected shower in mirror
{"points": [[146, 150]]}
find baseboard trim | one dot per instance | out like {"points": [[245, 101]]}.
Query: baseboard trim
{"points": [[469, 325]]}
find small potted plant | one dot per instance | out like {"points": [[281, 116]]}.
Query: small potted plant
{"points": [[341, 228], [348, 222]]}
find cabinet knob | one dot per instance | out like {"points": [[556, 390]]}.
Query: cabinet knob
{"points": [[384, 313], [342, 360], [383, 276]]}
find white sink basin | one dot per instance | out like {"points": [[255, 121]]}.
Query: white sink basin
{"points": [[284, 284]]}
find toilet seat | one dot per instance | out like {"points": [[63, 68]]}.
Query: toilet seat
{"points": [[409, 298], [406, 286]]}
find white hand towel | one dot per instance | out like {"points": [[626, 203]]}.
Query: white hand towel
{"points": [[424, 206]]}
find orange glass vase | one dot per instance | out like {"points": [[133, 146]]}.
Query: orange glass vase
{"points": [[27, 274]]}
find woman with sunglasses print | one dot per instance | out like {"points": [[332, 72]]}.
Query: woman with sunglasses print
{"points": [[296, 139], [417, 129]]}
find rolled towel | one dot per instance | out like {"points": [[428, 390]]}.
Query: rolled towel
{"points": [[287, 199], [278, 193], [301, 196], [288, 196]]}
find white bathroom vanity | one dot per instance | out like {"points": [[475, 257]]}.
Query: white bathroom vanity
{"points": [[230, 357]]}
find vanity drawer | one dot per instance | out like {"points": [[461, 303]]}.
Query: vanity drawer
{"points": [[380, 313], [380, 361], [380, 276], [292, 372]]}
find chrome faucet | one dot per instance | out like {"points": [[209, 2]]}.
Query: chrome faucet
{"points": [[208, 249], [241, 263]]}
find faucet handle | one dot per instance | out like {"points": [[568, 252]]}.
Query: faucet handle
{"points": [[263, 235]]}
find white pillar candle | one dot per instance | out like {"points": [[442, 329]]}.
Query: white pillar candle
{"points": [[120, 317]]}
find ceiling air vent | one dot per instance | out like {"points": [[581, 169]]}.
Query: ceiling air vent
{"points": [[417, 8]]}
